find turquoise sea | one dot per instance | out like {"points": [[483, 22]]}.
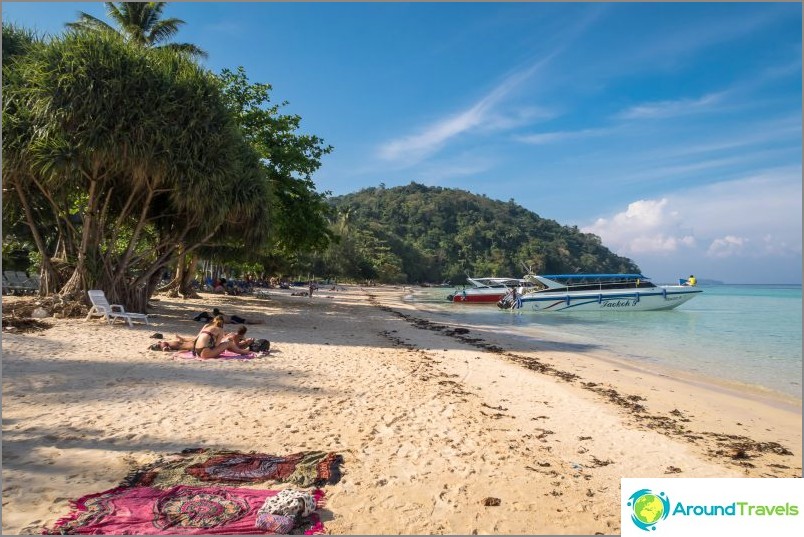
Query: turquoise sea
{"points": [[748, 334]]}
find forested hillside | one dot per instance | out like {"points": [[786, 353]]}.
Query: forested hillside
{"points": [[417, 233]]}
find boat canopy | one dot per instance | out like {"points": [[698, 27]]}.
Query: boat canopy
{"points": [[592, 276], [584, 282]]}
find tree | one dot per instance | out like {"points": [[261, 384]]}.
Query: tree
{"points": [[140, 23], [137, 144], [299, 219]]}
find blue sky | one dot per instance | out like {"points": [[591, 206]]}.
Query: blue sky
{"points": [[671, 130]]}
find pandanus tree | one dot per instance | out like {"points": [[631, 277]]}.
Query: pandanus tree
{"points": [[25, 207], [140, 23], [136, 143]]}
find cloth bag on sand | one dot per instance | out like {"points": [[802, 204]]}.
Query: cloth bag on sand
{"points": [[281, 525], [289, 503]]}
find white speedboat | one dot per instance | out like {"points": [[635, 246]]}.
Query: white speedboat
{"points": [[596, 292], [488, 290]]}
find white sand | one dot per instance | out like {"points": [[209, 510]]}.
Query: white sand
{"points": [[429, 424]]}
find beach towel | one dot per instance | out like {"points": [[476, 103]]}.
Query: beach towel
{"points": [[225, 355], [180, 510], [201, 467]]}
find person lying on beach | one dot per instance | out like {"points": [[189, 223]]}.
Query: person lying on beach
{"points": [[211, 342], [178, 343], [239, 338]]}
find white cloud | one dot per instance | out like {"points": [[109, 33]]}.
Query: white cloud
{"points": [[724, 227], [727, 246], [645, 226]]}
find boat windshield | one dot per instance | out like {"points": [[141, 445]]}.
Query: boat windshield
{"points": [[592, 282]]}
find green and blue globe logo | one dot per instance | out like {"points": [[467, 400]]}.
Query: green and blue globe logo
{"points": [[648, 508]]}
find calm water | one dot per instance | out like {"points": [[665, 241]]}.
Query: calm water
{"points": [[745, 333]]}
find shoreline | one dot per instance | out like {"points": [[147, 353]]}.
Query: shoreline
{"points": [[705, 379], [431, 421], [711, 395]]}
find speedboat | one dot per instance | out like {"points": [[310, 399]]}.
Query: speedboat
{"points": [[596, 292], [488, 290]]}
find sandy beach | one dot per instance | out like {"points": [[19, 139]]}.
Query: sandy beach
{"points": [[431, 420]]}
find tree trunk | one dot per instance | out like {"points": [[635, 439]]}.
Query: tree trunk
{"points": [[182, 278], [185, 288], [49, 280]]}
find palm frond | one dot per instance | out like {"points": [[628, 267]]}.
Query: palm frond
{"points": [[163, 30], [186, 48], [88, 22]]}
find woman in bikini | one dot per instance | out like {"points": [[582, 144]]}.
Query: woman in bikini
{"points": [[210, 342]]}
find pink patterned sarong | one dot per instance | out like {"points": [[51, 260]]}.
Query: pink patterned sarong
{"points": [[225, 355], [178, 510]]}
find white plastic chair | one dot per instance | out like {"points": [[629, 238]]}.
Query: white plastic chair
{"points": [[110, 312]]}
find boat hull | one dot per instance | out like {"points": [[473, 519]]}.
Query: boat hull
{"points": [[654, 299], [471, 296]]}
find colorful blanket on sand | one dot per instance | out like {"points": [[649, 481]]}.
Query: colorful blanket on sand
{"points": [[175, 511], [200, 467], [225, 355]]}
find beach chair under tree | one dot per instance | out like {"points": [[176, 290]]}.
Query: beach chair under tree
{"points": [[110, 312], [14, 281]]}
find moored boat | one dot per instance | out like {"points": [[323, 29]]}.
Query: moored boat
{"points": [[596, 292], [488, 290]]}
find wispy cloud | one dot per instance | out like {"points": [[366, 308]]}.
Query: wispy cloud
{"points": [[484, 115], [447, 172], [784, 129], [696, 167], [560, 136], [693, 37], [673, 108], [417, 146]]}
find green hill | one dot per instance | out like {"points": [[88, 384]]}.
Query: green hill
{"points": [[417, 233]]}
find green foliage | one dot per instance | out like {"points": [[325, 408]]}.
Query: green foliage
{"points": [[417, 233], [299, 214], [135, 140], [140, 23]]}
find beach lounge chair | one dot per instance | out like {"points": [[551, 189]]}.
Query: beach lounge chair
{"points": [[27, 284], [15, 281], [33, 283], [110, 312]]}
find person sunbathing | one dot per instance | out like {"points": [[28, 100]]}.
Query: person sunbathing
{"points": [[240, 338], [178, 343], [211, 342]]}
